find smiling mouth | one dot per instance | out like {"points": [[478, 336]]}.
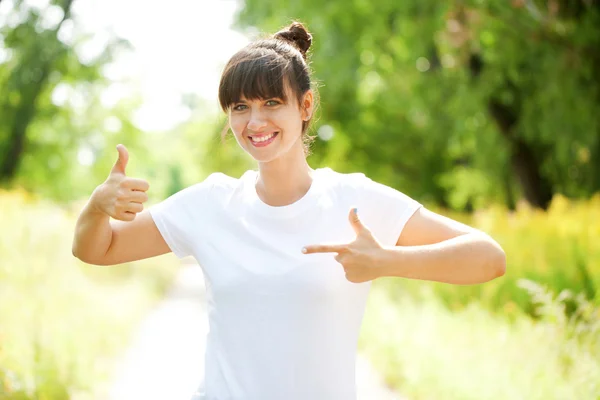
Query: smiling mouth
{"points": [[263, 140]]}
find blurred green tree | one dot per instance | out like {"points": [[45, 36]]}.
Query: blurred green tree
{"points": [[460, 103], [52, 117]]}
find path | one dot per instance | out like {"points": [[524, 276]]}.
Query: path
{"points": [[174, 334]]}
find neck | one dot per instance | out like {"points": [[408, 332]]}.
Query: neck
{"points": [[285, 180]]}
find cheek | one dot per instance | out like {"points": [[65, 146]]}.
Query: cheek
{"points": [[291, 120], [237, 125]]}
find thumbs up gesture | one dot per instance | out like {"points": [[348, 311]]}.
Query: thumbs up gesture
{"points": [[359, 258], [119, 196]]}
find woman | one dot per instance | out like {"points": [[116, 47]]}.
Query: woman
{"points": [[287, 259]]}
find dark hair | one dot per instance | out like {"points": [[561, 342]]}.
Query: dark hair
{"points": [[264, 68]]}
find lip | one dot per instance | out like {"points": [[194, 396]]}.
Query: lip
{"points": [[258, 135], [265, 143]]}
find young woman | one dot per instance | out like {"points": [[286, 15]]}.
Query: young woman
{"points": [[288, 252]]}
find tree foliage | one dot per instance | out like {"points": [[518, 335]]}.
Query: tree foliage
{"points": [[460, 103], [51, 108]]}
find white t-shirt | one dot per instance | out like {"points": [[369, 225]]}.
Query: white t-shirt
{"points": [[282, 324]]}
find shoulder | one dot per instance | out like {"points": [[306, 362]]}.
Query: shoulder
{"points": [[221, 181], [354, 181], [343, 180], [361, 185], [214, 184]]}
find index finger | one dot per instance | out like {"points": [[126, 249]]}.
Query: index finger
{"points": [[324, 248], [136, 184]]}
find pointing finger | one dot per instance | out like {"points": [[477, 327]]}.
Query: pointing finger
{"points": [[324, 248], [137, 196], [136, 184]]}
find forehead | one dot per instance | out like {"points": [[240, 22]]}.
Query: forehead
{"points": [[256, 78], [285, 94], [263, 97]]}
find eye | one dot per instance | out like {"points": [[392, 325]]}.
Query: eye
{"points": [[239, 107], [273, 102]]}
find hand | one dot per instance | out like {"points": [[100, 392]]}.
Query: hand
{"points": [[119, 196], [358, 257]]}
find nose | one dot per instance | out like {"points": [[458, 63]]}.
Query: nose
{"points": [[257, 120]]}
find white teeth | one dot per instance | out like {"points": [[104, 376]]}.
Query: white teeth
{"points": [[263, 138]]}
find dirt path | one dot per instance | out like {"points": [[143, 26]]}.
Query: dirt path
{"points": [[174, 333]]}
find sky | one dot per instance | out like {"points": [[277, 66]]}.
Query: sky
{"points": [[179, 46]]}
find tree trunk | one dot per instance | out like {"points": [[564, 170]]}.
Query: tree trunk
{"points": [[536, 189], [525, 165], [595, 166], [509, 199], [39, 69]]}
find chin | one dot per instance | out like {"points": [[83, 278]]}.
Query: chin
{"points": [[263, 155], [264, 158]]}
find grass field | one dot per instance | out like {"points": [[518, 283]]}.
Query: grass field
{"points": [[62, 322], [428, 352], [531, 334]]}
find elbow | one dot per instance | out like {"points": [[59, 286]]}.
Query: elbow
{"points": [[76, 253], [498, 264], [495, 258], [88, 260]]}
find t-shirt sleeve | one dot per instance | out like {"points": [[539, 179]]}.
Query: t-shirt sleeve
{"points": [[388, 209], [178, 215]]}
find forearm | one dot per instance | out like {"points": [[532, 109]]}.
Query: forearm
{"points": [[93, 235], [464, 260]]}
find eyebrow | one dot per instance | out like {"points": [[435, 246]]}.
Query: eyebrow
{"points": [[265, 99]]}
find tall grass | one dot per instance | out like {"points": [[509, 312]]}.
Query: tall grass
{"points": [[428, 352], [62, 322], [559, 248], [531, 334]]}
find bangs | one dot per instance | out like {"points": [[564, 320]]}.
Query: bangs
{"points": [[252, 77]]}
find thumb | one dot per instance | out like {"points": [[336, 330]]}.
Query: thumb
{"points": [[121, 163], [356, 222]]}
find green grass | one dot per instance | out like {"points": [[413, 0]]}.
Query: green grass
{"points": [[559, 248], [532, 334], [62, 322], [428, 352]]}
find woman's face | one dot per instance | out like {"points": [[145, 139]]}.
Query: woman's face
{"points": [[268, 128]]}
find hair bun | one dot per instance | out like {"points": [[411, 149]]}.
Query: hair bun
{"points": [[296, 34]]}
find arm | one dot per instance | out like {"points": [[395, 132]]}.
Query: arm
{"points": [[436, 248], [93, 234], [101, 242], [133, 236]]}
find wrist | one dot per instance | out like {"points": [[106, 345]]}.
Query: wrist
{"points": [[93, 207], [388, 259]]}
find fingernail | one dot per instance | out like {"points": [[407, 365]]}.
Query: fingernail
{"points": [[356, 211], [304, 250]]}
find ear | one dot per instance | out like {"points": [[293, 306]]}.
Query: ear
{"points": [[308, 102]]}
